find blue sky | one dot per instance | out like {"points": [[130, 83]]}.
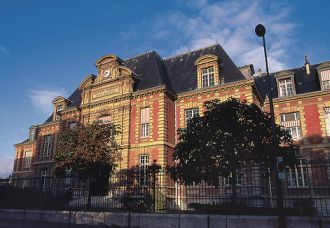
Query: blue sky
{"points": [[48, 47]]}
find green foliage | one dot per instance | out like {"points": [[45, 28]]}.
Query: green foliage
{"points": [[229, 135], [88, 149]]}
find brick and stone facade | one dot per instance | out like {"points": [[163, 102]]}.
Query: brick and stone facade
{"points": [[151, 97]]}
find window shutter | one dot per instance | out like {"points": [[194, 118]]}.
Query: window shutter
{"points": [[145, 115], [325, 75]]}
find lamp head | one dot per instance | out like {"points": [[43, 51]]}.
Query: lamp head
{"points": [[260, 30]]}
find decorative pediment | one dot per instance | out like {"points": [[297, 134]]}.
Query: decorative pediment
{"points": [[206, 59], [108, 59], [285, 73], [110, 68], [325, 65], [60, 99], [87, 82]]}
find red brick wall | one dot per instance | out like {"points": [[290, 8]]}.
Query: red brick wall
{"points": [[313, 126], [170, 121], [155, 113]]}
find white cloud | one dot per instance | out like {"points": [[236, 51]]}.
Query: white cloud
{"points": [[42, 98], [6, 165], [4, 49], [232, 24]]}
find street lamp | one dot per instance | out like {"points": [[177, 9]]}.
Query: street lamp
{"points": [[260, 31]]}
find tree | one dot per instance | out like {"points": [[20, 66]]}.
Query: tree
{"points": [[230, 135], [89, 150]]}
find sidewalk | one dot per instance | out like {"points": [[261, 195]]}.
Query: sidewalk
{"points": [[19, 224]]}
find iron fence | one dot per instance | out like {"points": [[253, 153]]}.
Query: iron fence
{"points": [[306, 191]]}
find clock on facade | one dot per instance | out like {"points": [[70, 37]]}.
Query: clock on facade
{"points": [[106, 73]]}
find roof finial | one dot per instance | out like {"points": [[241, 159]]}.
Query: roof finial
{"points": [[307, 66]]}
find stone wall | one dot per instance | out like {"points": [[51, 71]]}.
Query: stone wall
{"points": [[152, 220]]}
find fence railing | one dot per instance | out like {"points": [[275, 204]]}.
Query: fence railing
{"points": [[306, 191]]}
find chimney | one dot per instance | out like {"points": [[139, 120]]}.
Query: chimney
{"points": [[307, 66], [247, 70]]}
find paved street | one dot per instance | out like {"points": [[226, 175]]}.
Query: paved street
{"points": [[19, 224]]}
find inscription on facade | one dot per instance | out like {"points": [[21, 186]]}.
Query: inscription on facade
{"points": [[104, 92]]}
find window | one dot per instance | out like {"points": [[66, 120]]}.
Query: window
{"points": [[73, 125], [32, 134], [227, 180], [208, 77], [325, 79], [59, 108], [191, 113], [25, 182], [297, 175], [27, 159], [43, 173], [327, 119], [285, 87], [43, 176], [105, 119], [145, 118], [291, 122], [47, 145], [143, 169]]}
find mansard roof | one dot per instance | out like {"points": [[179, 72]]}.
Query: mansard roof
{"points": [[304, 83], [181, 69], [177, 73], [150, 70]]}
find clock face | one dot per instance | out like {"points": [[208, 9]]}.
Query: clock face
{"points": [[106, 73]]}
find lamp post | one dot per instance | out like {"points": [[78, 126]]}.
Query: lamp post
{"points": [[260, 31]]}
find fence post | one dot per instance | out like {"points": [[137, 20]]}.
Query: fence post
{"points": [[24, 205]]}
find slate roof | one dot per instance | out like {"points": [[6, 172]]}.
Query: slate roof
{"points": [[25, 141], [304, 83], [177, 73], [182, 72], [150, 70]]}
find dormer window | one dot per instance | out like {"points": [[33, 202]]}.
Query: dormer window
{"points": [[208, 71], [325, 79], [285, 83], [208, 77], [60, 104], [32, 133], [285, 87]]}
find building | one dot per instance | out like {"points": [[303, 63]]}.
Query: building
{"points": [[151, 97]]}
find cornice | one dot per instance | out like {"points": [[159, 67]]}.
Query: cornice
{"points": [[57, 122], [69, 110], [22, 172], [43, 162], [152, 144], [25, 143], [112, 81], [106, 101], [149, 91], [217, 88], [314, 146], [299, 96]]}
